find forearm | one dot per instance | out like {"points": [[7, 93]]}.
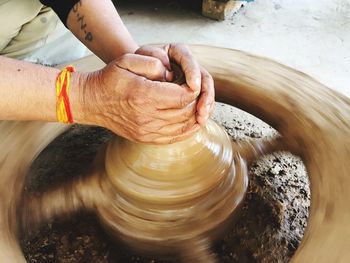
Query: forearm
{"points": [[27, 91], [98, 25]]}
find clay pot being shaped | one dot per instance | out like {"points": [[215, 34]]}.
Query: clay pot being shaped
{"points": [[160, 198]]}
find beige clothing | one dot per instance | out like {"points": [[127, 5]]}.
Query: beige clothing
{"points": [[33, 32]]}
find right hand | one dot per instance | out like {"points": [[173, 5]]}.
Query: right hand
{"points": [[130, 96], [197, 78]]}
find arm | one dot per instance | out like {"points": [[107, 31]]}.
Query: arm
{"points": [[98, 25], [131, 100], [27, 91]]}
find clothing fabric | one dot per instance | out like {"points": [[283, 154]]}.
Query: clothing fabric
{"points": [[33, 32], [61, 7]]}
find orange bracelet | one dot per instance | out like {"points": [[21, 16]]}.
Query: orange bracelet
{"points": [[63, 110]]}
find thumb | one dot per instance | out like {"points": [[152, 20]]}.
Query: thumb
{"points": [[156, 52], [148, 67]]}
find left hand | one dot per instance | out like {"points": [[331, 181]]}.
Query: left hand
{"points": [[197, 78]]}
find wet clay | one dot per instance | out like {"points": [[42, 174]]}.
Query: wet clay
{"points": [[163, 200], [307, 115], [268, 227]]}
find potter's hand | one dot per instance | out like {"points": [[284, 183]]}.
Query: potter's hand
{"points": [[197, 78], [129, 97]]}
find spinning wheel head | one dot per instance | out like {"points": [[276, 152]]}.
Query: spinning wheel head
{"points": [[313, 120]]}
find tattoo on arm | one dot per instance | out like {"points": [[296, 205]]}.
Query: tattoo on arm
{"points": [[80, 18]]}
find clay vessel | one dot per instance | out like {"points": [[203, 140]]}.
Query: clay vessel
{"points": [[160, 198]]}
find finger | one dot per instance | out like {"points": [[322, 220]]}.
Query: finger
{"points": [[206, 98], [161, 118], [183, 57], [175, 129], [156, 52], [167, 95], [148, 67], [178, 115], [161, 140]]}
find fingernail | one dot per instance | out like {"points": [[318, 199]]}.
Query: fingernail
{"points": [[169, 75], [196, 93]]}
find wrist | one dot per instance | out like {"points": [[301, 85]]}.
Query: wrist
{"points": [[113, 54], [76, 96], [84, 99]]}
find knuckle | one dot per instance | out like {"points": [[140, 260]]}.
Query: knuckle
{"points": [[124, 58], [141, 121], [138, 120], [132, 136], [185, 127], [191, 110], [142, 133], [183, 100], [172, 140], [137, 99], [147, 121], [127, 56], [189, 114], [179, 45], [157, 69], [156, 52], [121, 60], [184, 48], [138, 135], [172, 45], [157, 64]]}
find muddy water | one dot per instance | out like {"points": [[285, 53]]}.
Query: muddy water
{"points": [[313, 121]]}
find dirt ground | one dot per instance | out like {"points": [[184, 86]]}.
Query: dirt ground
{"points": [[269, 227]]}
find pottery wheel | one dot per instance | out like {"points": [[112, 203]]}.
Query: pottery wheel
{"points": [[313, 122]]}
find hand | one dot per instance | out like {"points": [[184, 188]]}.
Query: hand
{"points": [[197, 78], [130, 97]]}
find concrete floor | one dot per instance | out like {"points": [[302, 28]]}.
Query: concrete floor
{"points": [[312, 36]]}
